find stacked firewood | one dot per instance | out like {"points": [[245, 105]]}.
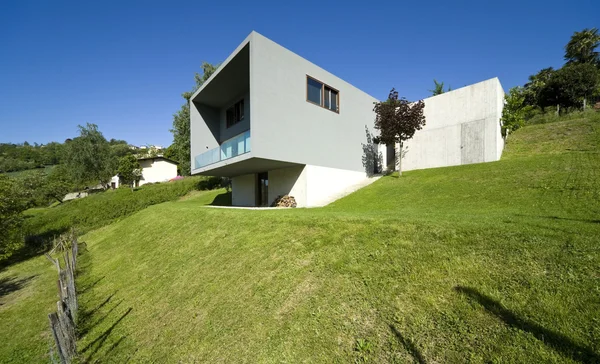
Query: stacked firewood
{"points": [[284, 201]]}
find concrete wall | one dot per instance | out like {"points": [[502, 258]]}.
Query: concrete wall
{"points": [[288, 181], [462, 127], [313, 186], [236, 129], [243, 190], [157, 170], [288, 128], [204, 130], [325, 185]]}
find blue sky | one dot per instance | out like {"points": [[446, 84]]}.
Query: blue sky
{"points": [[123, 65]]}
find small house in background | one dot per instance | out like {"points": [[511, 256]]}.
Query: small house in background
{"points": [[154, 169]]}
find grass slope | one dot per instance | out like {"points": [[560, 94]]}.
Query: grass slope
{"points": [[28, 289], [489, 262], [492, 262]]}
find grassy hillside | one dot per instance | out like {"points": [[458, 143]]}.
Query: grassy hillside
{"points": [[94, 211], [493, 262], [28, 291]]}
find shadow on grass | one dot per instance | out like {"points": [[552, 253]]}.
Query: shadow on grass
{"points": [[555, 340], [90, 286], [223, 199], [98, 342], [86, 324], [408, 346], [9, 285], [590, 221], [86, 315]]}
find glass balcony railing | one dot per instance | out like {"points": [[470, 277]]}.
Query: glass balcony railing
{"points": [[230, 148]]}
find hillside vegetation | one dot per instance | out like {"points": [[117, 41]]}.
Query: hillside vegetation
{"points": [[493, 262]]}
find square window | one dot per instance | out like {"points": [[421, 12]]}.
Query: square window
{"points": [[319, 93]]}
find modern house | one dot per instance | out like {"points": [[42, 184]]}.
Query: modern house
{"points": [[154, 169], [278, 124]]}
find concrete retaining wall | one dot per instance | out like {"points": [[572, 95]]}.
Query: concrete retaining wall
{"points": [[243, 190], [462, 127]]}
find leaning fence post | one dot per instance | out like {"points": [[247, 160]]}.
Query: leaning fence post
{"points": [[62, 323]]}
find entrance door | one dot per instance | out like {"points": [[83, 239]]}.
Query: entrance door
{"points": [[262, 196]]}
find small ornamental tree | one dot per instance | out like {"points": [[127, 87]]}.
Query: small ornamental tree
{"points": [[129, 170], [397, 121]]}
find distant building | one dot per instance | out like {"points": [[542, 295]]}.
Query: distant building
{"points": [[154, 169]]}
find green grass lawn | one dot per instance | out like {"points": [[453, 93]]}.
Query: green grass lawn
{"points": [[496, 262]]}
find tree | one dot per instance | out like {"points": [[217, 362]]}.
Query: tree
{"points": [[181, 121], [515, 109], [581, 47], [88, 157], [571, 85], [57, 183], [129, 170], [29, 186], [438, 88], [397, 121], [533, 88], [150, 151], [11, 208], [119, 150]]}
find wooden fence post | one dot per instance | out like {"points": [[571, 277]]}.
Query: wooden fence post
{"points": [[62, 323]]}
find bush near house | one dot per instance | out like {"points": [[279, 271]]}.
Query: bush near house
{"points": [[97, 210]]}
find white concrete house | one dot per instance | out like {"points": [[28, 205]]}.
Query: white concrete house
{"points": [[154, 169], [278, 124]]}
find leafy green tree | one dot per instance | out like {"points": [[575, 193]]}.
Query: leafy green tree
{"points": [[129, 170], [397, 121], [150, 151], [181, 122], [11, 217], [58, 183], [571, 85], [88, 157], [515, 110], [29, 186], [533, 89], [438, 88], [582, 47], [119, 150]]}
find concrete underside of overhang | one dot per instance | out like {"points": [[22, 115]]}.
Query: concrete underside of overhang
{"points": [[233, 168]]}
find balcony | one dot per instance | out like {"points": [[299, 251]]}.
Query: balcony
{"points": [[230, 148]]}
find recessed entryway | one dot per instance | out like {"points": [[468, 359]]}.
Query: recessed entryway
{"points": [[262, 193]]}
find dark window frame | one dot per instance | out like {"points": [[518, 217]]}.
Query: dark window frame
{"points": [[324, 86], [238, 114]]}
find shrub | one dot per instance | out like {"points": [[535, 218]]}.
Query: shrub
{"points": [[100, 209], [210, 183]]}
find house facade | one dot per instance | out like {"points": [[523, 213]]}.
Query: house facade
{"points": [[277, 124], [154, 169]]}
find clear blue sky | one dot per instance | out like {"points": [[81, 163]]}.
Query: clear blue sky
{"points": [[123, 65]]}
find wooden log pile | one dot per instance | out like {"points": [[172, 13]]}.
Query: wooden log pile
{"points": [[284, 201]]}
